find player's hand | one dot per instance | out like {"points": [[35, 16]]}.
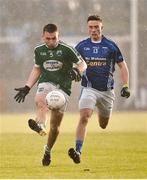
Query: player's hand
{"points": [[74, 74], [22, 92], [125, 92]]}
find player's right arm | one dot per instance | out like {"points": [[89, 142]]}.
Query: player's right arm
{"points": [[34, 76], [23, 91]]}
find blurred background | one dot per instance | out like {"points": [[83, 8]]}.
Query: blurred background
{"points": [[21, 23]]}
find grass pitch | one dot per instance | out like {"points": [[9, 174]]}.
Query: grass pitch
{"points": [[120, 151]]}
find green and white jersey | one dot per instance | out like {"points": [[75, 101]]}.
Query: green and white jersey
{"points": [[56, 63]]}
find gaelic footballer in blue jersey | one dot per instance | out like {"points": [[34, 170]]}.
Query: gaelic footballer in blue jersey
{"points": [[101, 55]]}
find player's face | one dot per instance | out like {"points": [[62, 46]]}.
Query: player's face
{"points": [[95, 30], [51, 39]]}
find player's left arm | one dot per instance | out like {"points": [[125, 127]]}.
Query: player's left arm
{"points": [[76, 72], [79, 66], [124, 72]]}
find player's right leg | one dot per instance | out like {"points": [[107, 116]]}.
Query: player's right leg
{"points": [[74, 154], [39, 128], [38, 125]]}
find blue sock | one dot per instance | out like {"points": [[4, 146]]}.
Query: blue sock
{"points": [[79, 145]]}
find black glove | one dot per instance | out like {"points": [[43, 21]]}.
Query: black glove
{"points": [[22, 92], [74, 74], [125, 92]]}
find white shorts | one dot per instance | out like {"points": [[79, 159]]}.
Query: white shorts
{"points": [[103, 100], [46, 87]]}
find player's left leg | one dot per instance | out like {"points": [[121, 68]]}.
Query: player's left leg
{"points": [[105, 106], [55, 121]]}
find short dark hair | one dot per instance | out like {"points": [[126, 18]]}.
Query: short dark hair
{"points": [[50, 28], [94, 17]]}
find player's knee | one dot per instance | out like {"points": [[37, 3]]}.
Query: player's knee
{"points": [[54, 129], [84, 118], [83, 121], [40, 104]]}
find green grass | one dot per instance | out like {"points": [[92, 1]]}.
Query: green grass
{"points": [[117, 152]]}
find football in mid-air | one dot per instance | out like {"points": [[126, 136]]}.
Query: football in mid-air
{"points": [[55, 100]]}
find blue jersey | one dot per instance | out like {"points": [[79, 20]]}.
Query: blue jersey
{"points": [[100, 58]]}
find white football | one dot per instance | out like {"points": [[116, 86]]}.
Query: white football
{"points": [[55, 100]]}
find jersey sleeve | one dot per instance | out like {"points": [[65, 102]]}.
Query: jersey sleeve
{"points": [[75, 56], [36, 59], [119, 57]]}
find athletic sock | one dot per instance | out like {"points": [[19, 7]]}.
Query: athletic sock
{"points": [[41, 123], [47, 150], [79, 144]]}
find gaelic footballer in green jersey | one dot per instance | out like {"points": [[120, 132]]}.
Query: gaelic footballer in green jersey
{"points": [[53, 70]]}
